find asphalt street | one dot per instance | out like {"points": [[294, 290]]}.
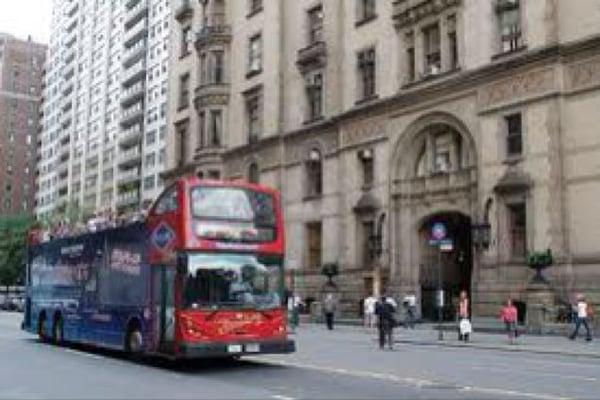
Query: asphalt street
{"points": [[340, 364]]}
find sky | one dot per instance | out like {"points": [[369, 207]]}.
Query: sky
{"points": [[22, 18]]}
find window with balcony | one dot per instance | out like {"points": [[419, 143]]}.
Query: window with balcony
{"points": [[314, 95], [315, 24], [203, 69], [217, 67], [254, 115], [366, 11], [186, 38], [509, 25], [366, 74], [314, 172], [314, 237], [517, 220], [431, 49], [216, 128], [184, 91], [253, 173], [255, 55], [514, 135]]}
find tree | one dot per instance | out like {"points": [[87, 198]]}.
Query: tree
{"points": [[13, 237]]}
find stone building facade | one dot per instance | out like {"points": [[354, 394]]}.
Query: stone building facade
{"points": [[21, 81], [378, 119]]}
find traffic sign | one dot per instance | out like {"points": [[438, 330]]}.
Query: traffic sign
{"points": [[438, 231], [446, 245]]}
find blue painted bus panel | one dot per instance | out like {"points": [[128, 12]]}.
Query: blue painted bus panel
{"points": [[97, 283]]}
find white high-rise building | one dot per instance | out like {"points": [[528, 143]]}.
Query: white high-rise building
{"points": [[105, 119]]}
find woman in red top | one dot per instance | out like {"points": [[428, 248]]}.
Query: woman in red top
{"points": [[463, 316], [508, 315]]}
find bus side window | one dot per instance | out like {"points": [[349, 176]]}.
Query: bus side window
{"points": [[167, 203]]}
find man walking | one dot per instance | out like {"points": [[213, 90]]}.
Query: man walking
{"points": [[369, 310], [384, 309], [329, 307], [582, 318]]}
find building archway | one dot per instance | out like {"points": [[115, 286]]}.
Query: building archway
{"points": [[456, 264]]}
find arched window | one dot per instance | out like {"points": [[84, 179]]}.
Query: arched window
{"points": [[314, 168], [253, 173]]}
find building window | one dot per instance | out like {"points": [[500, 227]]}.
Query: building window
{"points": [[431, 49], [517, 219], [315, 25], [203, 69], [366, 10], [214, 174], [184, 91], [186, 33], [254, 7], [149, 182], [254, 115], [367, 164], [366, 71], [509, 19], [216, 128], [368, 231], [410, 57], [253, 173], [314, 168], [182, 133], [314, 95], [218, 70], [514, 137], [255, 55], [452, 43], [314, 235], [202, 129]]}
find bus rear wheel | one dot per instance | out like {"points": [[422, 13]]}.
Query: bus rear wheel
{"points": [[134, 342], [42, 328], [57, 331]]}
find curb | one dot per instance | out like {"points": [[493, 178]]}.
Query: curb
{"points": [[516, 348]]}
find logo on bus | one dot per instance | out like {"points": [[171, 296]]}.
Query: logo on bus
{"points": [[163, 236]]}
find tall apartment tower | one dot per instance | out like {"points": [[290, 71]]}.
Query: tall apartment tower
{"points": [[21, 71], [104, 126], [386, 123]]}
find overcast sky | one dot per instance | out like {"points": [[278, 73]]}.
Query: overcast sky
{"points": [[22, 18]]}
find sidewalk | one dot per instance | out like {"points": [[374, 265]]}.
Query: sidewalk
{"points": [[427, 336]]}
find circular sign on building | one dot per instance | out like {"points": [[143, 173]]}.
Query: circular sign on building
{"points": [[438, 231]]}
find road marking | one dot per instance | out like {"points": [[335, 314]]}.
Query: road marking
{"points": [[282, 397], [531, 371], [85, 354], [415, 382]]}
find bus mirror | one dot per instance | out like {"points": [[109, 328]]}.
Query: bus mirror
{"points": [[182, 265]]}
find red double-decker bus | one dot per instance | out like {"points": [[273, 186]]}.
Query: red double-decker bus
{"points": [[201, 277]]}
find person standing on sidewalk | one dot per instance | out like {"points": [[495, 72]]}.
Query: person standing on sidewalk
{"points": [[583, 316], [294, 303], [369, 311], [384, 309], [509, 316], [464, 325], [410, 303], [329, 307]]}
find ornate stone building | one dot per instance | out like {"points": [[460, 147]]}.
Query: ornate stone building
{"points": [[387, 116]]}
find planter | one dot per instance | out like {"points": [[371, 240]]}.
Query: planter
{"points": [[540, 261]]}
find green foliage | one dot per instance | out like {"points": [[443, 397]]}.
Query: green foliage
{"points": [[540, 259], [13, 235]]}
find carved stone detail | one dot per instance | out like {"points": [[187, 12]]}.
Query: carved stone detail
{"points": [[363, 131], [410, 12], [527, 84], [584, 74]]}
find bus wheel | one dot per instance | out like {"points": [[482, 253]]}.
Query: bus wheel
{"points": [[42, 328], [134, 341], [57, 331]]}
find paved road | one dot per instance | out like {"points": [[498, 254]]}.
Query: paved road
{"points": [[328, 365]]}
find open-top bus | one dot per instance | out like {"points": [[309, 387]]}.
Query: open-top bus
{"points": [[201, 277]]}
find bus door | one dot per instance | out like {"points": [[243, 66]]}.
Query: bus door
{"points": [[164, 281]]}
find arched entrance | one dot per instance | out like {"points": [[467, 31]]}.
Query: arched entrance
{"points": [[456, 264]]}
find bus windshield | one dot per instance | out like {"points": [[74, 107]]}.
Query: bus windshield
{"points": [[231, 281], [231, 213]]}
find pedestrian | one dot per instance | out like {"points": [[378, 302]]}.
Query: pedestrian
{"points": [[410, 304], [464, 325], [509, 316], [385, 310], [294, 303], [583, 315], [369, 311], [330, 307]]}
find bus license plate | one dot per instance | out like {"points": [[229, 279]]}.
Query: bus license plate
{"points": [[234, 348], [252, 348]]}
